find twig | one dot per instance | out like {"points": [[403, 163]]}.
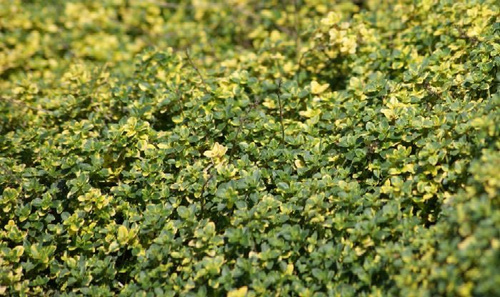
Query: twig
{"points": [[165, 4], [94, 85], [10, 173], [242, 119], [214, 6], [188, 6], [18, 102], [278, 93], [210, 176], [197, 70], [296, 29], [181, 100], [240, 127]]}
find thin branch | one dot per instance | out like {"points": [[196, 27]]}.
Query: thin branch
{"points": [[10, 173], [240, 127], [243, 120], [180, 98], [188, 6], [296, 29], [166, 4], [210, 176], [19, 102], [196, 69], [278, 93], [214, 6], [94, 85]]}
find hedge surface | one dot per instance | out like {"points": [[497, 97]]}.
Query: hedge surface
{"points": [[250, 148]]}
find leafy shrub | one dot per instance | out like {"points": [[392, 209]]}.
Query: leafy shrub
{"points": [[303, 148]]}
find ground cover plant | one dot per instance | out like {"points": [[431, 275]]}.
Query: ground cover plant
{"points": [[249, 148]]}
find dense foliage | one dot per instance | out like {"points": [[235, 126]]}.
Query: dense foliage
{"points": [[250, 148]]}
